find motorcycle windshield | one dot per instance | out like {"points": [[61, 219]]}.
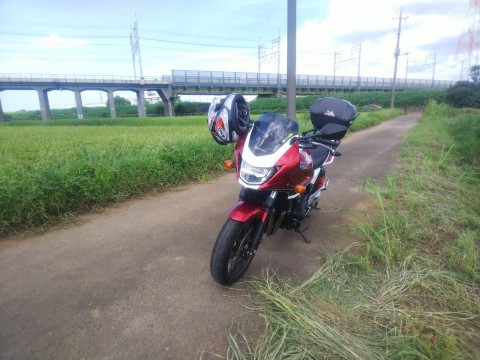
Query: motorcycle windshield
{"points": [[270, 132]]}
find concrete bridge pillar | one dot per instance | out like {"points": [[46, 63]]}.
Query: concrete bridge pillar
{"points": [[168, 101], [2, 115], [78, 103], [142, 111], [44, 105], [169, 107], [111, 104]]}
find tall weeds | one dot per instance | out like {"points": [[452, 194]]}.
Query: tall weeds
{"points": [[410, 288]]}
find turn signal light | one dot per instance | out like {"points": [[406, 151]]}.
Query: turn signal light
{"points": [[300, 189], [229, 164]]}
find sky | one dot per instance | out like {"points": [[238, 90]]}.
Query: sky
{"points": [[93, 38]]}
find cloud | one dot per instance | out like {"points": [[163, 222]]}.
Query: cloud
{"points": [[55, 41], [432, 27]]}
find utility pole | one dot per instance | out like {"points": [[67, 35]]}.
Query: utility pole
{"points": [[291, 59], [261, 55], [406, 72], [336, 56], [434, 65], [359, 62], [277, 43], [397, 54]]}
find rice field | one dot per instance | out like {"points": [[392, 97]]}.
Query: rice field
{"points": [[47, 172], [51, 170]]}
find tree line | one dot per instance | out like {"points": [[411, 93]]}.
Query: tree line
{"points": [[466, 94]]}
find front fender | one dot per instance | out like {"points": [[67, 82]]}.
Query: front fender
{"points": [[245, 210]]}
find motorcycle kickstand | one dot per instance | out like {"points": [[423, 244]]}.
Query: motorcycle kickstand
{"points": [[298, 231], [317, 209]]}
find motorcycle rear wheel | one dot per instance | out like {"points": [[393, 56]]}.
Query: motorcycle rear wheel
{"points": [[231, 254]]}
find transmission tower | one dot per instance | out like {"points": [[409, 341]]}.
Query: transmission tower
{"points": [[135, 44], [468, 47]]}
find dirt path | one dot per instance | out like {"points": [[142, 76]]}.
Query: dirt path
{"points": [[134, 282]]}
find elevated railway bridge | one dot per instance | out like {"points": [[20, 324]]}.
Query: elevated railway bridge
{"points": [[194, 82]]}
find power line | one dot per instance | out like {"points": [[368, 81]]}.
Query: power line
{"points": [[57, 59], [122, 29], [114, 59], [65, 36], [197, 44], [249, 50], [121, 19], [126, 37], [63, 43]]}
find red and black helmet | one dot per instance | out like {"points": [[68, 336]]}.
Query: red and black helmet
{"points": [[228, 118]]}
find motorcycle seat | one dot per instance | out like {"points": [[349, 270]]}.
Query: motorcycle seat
{"points": [[319, 156]]}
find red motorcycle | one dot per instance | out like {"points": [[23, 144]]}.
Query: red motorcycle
{"points": [[281, 172]]}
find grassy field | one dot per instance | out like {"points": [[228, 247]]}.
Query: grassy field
{"points": [[410, 288], [49, 171], [52, 169]]}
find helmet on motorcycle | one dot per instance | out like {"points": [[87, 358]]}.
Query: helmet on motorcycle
{"points": [[228, 118]]}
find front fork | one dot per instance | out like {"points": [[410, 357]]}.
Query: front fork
{"points": [[263, 225], [246, 209]]}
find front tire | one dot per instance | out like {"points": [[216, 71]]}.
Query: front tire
{"points": [[232, 252]]}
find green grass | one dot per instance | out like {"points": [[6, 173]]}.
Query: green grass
{"points": [[410, 288], [47, 172], [408, 98], [52, 169], [181, 108], [415, 98], [364, 120], [372, 118], [127, 121]]}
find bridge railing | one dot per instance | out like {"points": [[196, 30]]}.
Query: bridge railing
{"points": [[270, 80], [196, 78], [77, 78]]}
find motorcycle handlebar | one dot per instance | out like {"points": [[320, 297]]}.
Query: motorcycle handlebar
{"points": [[330, 145], [332, 151]]}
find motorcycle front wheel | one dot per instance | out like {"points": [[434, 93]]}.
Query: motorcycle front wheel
{"points": [[232, 252]]}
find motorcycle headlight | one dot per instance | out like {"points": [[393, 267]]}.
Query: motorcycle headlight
{"points": [[255, 175]]}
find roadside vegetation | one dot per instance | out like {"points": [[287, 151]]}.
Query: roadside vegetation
{"points": [[409, 287], [465, 94], [51, 171], [409, 98], [122, 108]]}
